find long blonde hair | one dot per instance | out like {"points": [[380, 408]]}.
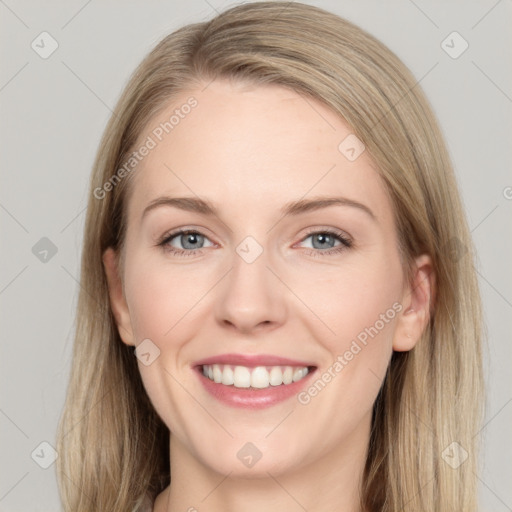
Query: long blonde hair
{"points": [[113, 448]]}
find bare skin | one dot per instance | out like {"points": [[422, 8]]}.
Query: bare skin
{"points": [[249, 151]]}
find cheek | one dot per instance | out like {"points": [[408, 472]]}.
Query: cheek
{"points": [[162, 297], [353, 297], [164, 305], [358, 304]]}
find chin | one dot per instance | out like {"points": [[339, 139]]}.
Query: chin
{"points": [[248, 462]]}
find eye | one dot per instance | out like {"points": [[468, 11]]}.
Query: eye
{"points": [[185, 242], [325, 242]]}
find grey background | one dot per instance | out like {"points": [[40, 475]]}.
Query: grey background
{"points": [[53, 112]]}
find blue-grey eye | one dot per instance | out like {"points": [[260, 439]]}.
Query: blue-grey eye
{"points": [[189, 240], [323, 240]]}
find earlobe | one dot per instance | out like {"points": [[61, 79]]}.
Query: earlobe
{"points": [[416, 302], [116, 295]]}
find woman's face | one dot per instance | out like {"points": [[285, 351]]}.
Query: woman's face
{"points": [[291, 266]]}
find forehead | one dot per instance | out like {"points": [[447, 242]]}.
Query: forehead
{"points": [[254, 145]]}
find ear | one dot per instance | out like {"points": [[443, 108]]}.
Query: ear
{"points": [[417, 299], [117, 298]]}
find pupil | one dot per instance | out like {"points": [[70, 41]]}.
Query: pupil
{"points": [[324, 240], [190, 239]]}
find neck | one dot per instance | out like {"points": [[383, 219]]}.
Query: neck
{"points": [[331, 482]]}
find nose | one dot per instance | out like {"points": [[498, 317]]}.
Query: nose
{"points": [[251, 298]]}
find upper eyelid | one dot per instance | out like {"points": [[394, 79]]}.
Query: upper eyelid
{"points": [[334, 231], [169, 235]]}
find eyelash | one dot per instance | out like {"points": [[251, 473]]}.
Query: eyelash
{"points": [[346, 243]]}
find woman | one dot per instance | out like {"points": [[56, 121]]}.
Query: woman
{"points": [[278, 305]]}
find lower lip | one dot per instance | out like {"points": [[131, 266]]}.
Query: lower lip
{"points": [[249, 398]]}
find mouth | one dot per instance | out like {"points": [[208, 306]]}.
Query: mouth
{"points": [[253, 381], [259, 377]]}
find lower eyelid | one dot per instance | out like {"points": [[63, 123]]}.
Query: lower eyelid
{"points": [[318, 253]]}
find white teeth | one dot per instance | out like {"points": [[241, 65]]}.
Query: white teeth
{"points": [[241, 377], [297, 375], [217, 373], [227, 376], [288, 375], [259, 377], [276, 376]]}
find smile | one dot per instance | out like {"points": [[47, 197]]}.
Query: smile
{"points": [[259, 377]]}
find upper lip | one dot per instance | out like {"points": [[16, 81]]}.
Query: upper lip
{"points": [[252, 360]]}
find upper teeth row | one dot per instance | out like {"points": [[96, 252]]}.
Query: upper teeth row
{"points": [[257, 377]]}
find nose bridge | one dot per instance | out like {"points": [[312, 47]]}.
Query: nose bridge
{"points": [[250, 295]]}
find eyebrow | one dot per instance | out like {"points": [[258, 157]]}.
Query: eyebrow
{"points": [[197, 205]]}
